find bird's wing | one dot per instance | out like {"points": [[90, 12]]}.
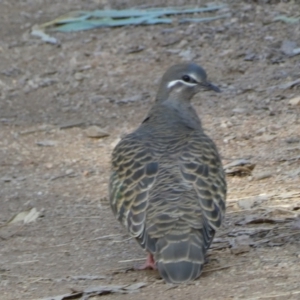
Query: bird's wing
{"points": [[133, 174], [200, 165]]}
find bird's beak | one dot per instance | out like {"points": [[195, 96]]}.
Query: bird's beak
{"points": [[212, 87]]}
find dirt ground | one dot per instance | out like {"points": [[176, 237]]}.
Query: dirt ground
{"points": [[51, 94]]}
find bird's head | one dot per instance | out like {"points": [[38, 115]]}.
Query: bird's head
{"points": [[183, 81]]}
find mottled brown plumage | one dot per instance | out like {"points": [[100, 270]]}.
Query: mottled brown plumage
{"points": [[167, 184]]}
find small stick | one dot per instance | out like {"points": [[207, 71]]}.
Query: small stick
{"points": [[131, 260], [224, 267]]}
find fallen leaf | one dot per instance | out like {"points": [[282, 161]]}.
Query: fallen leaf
{"points": [[25, 216]]}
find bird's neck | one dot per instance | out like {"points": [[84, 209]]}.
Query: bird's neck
{"points": [[174, 114]]}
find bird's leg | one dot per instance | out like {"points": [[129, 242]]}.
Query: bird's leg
{"points": [[149, 264]]}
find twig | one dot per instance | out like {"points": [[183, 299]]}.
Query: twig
{"points": [[131, 260], [71, 125], [25, 262], [274, 237], [224, 267], [274, 295], [130, 238], [30, 131], [103, 237]]}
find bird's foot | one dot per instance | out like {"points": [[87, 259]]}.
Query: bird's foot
{"points": [[149, 264]]}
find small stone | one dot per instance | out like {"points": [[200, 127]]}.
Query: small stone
{"points": [[265, 138], [80, 76], [46, 143], [96, 98], [294, 101], [131, 99], [288, 47], [115, 143], [95, 132], [293, 140], [239, 110], [6, 179], [69, 171], [226, 124], [86, 173], [246, 203], [263, 175]]}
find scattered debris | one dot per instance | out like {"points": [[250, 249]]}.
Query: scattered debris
{"points": [[99, 290], [240, 167]]}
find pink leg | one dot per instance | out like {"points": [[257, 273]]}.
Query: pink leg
{"points": [[149, 264]]}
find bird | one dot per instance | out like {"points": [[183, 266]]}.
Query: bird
{"points": [[167, 185]]}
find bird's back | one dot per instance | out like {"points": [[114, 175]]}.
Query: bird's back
{"points": [[175, 209]]}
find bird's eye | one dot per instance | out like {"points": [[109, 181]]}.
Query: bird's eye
{"points": [[186, 78], [189, 79]]}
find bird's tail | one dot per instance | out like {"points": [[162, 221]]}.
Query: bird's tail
{"points": [[180, 257]]}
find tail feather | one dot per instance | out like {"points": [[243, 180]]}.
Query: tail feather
{"points": [[181, 259]]}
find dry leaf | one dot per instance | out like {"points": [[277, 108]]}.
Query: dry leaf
{"points": [[25, 216]]}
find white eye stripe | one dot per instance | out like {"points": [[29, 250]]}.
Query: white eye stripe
{"points": [[174, 82]]}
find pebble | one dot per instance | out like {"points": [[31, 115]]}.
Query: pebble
{"points": [[95, 132], [294, 101]]}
